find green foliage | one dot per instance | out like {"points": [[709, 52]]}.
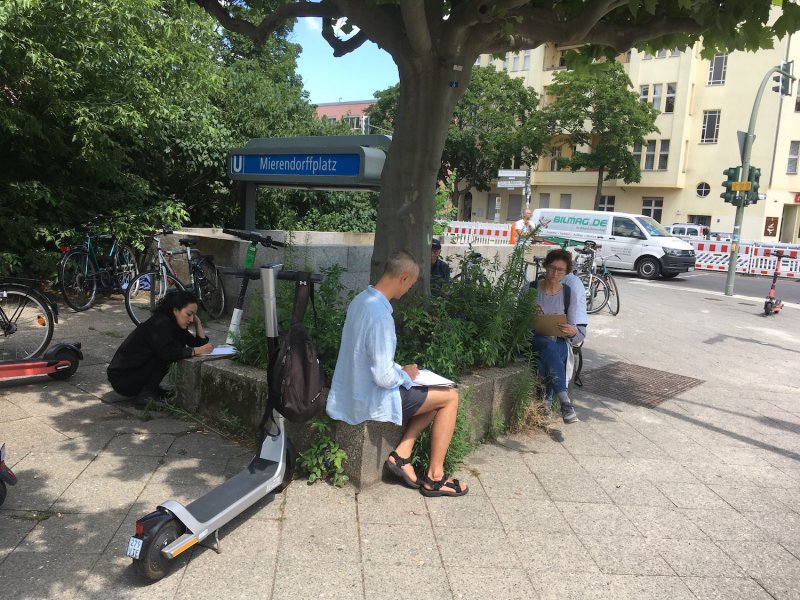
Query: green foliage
{"points": [[472, 322], [599, 94], [324, 459]]}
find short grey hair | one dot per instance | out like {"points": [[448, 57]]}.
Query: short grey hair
{"points": [[400, 262]]}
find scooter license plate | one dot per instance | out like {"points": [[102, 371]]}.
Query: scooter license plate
{"points": [[134, 547]]}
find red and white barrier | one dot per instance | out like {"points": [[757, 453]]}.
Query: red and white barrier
{"points": [[477, 233], [753, 259]]}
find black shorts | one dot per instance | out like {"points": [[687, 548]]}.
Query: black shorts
{"points": [[412, 400]]}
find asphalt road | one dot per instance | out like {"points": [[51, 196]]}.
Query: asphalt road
{"points": [[751, 286]]}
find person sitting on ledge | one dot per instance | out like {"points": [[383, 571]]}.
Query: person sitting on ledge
{"points": [[143, 359], [369, 386]]}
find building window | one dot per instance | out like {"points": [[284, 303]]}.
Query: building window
{"points": [[555, 153], [650, 155], [331, 119], [797, 100], [669, 99], [703, 189], [663, 155], [661, 54], [652, 207], [526, 60], [515, 62], [647, 56], [514, 206], [505, 62], [717, 69], [606, 203], [657, 96], [637, 154], [565, 201], [544, 200], [562, 59], [710, 131], [644, 93], [478, 62], [675, 52], [794, 149]]}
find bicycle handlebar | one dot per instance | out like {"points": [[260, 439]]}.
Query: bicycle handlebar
{"points": [[285, 275], [254, 236]]}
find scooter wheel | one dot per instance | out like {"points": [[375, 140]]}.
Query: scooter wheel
{"points": [[151, 564], [73, 358], [3, 492], [768, 306]]}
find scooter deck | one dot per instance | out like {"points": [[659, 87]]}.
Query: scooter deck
{"points": [[215, 502]]}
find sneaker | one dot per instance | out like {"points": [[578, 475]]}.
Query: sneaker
{"points": [[569, 416]]}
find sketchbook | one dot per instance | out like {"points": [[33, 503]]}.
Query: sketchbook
{"points": [[548, 324], [430, 378]]}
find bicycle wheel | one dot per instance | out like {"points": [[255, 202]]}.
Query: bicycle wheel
{"points": [[144, 293], [209, 284], [26, 323], [596, 296], [77, 279], [126, 268], [613, 294]]}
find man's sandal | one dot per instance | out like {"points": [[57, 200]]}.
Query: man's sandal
{"points": [[436, 487], [396, 469]]}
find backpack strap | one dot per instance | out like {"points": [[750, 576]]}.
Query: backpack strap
{"points": [[567, 297]]}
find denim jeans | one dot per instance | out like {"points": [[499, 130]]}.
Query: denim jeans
{"points": [[552, 364]]}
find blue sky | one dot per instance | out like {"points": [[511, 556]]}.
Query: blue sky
{"points": [[355, 76]]}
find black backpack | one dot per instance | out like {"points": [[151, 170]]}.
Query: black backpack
{"points": [[295, 377]]}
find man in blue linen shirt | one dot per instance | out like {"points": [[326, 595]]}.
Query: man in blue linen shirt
{"points": [[369, 386]]}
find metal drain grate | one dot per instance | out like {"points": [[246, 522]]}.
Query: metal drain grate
{"points": [[636, 385]]}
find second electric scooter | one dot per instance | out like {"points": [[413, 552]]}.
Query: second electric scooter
{"points": [[773, 305], [174, 528]]}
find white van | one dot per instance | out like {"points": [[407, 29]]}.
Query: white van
{"points": [[688, 231], [633, 242]]}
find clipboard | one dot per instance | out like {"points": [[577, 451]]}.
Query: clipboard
{"points": [[548, 324]]}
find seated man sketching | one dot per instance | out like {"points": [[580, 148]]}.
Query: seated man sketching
{"points": [[369, 386]]}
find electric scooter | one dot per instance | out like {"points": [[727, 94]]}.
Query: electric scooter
{"points": [[773, 304], [59, 362], [6, 475], [174, 528]]}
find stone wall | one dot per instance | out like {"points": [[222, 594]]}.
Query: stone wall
{"points": [[216, 387]]}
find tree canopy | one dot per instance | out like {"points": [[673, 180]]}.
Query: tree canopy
{"points": [[493, 126], [435, 45], [601, 117]]}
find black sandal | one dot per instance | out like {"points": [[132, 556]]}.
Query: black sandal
{"points": [[436, 487], [396, 469]]}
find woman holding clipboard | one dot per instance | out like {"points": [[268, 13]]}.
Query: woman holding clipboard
{"points": [[561, 323]]}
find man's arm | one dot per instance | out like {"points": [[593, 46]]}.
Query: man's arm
{"points": [[381, 343]]}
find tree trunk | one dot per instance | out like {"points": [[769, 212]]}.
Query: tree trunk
{"points": [[408, 184], [599, 191]]}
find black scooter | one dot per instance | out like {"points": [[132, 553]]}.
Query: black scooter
{"points": [[6, 475], [773, 305]]}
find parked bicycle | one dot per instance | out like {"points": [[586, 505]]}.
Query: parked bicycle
{"points": [[597, 292], [27, 320], [613, 290], [472, 264], [144, 292], [101, 263]]}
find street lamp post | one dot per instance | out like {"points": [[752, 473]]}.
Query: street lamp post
{"points": [[784, 70]]}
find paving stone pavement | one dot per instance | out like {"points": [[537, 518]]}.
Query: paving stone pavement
{"points": [[697, 498]]}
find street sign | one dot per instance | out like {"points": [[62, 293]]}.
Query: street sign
{"points": [[511, 173], [740, 186], [510, 183]]}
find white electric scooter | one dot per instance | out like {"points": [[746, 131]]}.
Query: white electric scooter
{"points": [[174, 528]]}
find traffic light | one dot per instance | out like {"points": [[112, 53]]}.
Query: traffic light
{"points": [[753, 177], [784, 79], [732, 174]]}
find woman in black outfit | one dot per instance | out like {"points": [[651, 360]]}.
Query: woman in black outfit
{"points": [[143, 359]]}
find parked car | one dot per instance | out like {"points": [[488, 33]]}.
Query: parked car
{"points": [[688, 231]]}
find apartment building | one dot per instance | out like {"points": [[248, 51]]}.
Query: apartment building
{"points": [[353, 113], [703, 103]]}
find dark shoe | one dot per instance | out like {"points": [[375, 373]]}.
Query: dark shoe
{"points": [[162, 392], [433, 489], [396, 469], [144, 398], [569, 415]]}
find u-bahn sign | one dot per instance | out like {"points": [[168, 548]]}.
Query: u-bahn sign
{"points": [[350, 162]]}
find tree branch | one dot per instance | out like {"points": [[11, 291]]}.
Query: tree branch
{"points": [[416, 25], [341, 47], [259, 33]]}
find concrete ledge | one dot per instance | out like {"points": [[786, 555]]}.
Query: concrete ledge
{"points": [[221, 388]]}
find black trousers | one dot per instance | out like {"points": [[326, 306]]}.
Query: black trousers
{"points": [[147, 377]]}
